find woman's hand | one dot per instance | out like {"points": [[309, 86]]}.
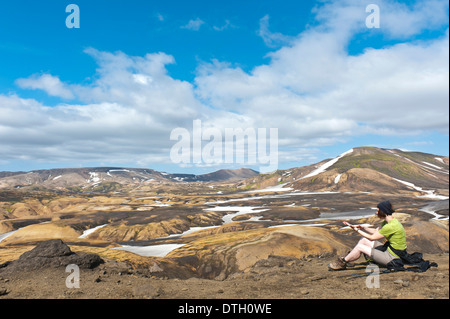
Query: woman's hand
{"points": [[354, 227], [369, 233], [347, 224]]}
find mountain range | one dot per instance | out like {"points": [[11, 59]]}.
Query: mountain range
{"points": [[110, 178], [366, 169]]}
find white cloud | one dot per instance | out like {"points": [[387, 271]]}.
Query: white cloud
{"points": [[402, 21], [325, 94], [226, 26], [48, 83], [271, 39], [312, 90], [397, 20], [160, 17], [128, 113], [193, 25]]}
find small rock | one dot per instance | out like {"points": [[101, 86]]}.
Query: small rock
{"points": [[3, 291], [398, 282], [304, 292], [155, 268], [404, 283]]}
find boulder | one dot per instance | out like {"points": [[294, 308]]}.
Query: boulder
{"points": [[49, 249], [52, 253]]}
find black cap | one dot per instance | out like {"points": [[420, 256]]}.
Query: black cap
{"points": [[386, 207]]}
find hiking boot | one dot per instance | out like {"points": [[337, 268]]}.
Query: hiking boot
{"points": [[339, 264], [349, 264]]}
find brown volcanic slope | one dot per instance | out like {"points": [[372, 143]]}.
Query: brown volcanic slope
{"points": [[368, 169]]}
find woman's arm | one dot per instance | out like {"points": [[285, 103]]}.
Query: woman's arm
{"points": [[367, 229], [366, 232], [373, 236]]}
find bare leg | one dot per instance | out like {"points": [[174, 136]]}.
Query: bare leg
{"points": [[364, 246]]}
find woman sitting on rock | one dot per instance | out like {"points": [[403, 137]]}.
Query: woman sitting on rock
{"points": [[369, 245]]}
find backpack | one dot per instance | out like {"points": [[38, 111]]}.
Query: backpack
{"points": [[415, 259]]}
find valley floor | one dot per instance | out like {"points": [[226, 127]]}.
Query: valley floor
{"points": [[269, 252], [275, 278]]}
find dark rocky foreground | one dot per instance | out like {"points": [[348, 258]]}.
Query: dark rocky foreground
{"points": [[52, 253], [41, 274]]}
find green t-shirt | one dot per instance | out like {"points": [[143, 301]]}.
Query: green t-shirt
{"points": [[395, 234]]}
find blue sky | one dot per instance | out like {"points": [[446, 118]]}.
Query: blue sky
{"points": [[110, 92]]}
